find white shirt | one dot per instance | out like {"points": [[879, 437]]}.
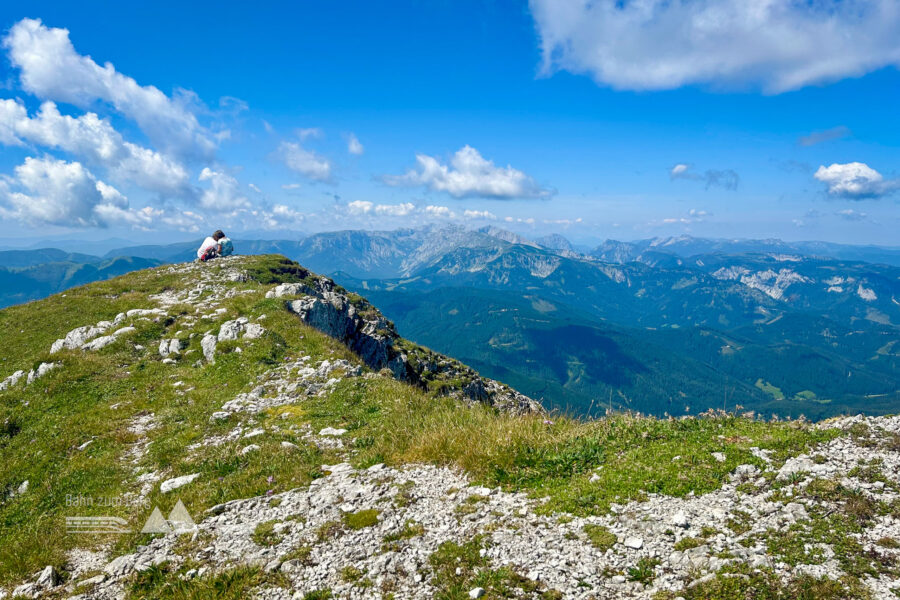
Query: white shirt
{"points": [[206, 245]]}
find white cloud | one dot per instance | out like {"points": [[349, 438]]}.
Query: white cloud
{"points": [[50, 68], [565, 222], [353, 145], [394, 210], [469, 174], [778, 45], [360, 207], [254, 187], [480, 214], [727, 178], [291, 186], [848, 214], [303, 161], [308, 132], [223, 193], [95, 141], [439, 211], [855, 181], [56, 192], [281, 217]]}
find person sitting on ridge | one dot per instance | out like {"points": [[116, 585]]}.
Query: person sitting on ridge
{"points": [[226, 248], [210, 248]]}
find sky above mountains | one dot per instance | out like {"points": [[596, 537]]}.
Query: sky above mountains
{"points": [[622, 119]]}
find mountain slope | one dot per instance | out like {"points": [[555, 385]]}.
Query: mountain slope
{"points": [[551, 352], [288, 468], [732, 329], [40, 280]]}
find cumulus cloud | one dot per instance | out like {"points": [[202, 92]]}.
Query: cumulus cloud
{"points": [[827, 135], [303, 161], [55, 192], [778, 45], [479, 214], [93, 140], [443, 212], [360, 207], [525, 220], [727, 179], [281, 217], [469, 174], [223, 193], [364, 207], [855, 181], [353, 145], [394, 210], [52, 69]]}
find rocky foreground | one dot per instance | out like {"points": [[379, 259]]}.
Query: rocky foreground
{"points": [[421, 531], [375, 532]]}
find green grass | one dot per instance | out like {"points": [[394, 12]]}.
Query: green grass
{"points": [[264, 534], [770, 389], [395, 423], [740, 582], [600, 537], [96, 395], [361, 518], [644, 571], [688, 543], [162, 584]]}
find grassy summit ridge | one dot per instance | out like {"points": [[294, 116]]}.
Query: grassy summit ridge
{"points": [[102, 420]]}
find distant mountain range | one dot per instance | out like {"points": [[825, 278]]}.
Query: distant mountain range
{"points": [[671, 325], [32, 275]]}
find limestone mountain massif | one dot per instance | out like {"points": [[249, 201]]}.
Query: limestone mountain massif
{"points": [[303, 449]]}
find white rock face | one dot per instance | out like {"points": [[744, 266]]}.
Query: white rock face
{"points": [[169, 346], [11, 380], [173, 484], [635, 543], [769, 282], [331, 431], [106, 340], [79, 336], [42, 370], [248, 449], [679, 519], [241, 327], [253, 331], [48, 578], [290, 289], [795, 465], [208, 344], [145, 312]]}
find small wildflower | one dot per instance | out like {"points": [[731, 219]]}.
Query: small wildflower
{"points": [[548, 422], [270, 478], [269, 492]]}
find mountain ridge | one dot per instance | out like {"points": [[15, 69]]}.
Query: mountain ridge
{"points": [[305, 473]]}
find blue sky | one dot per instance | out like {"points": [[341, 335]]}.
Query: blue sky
{"points": [[594, 120]]}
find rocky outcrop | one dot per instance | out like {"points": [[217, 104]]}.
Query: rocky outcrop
{"points": [[656, 547], [352, 320]]}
